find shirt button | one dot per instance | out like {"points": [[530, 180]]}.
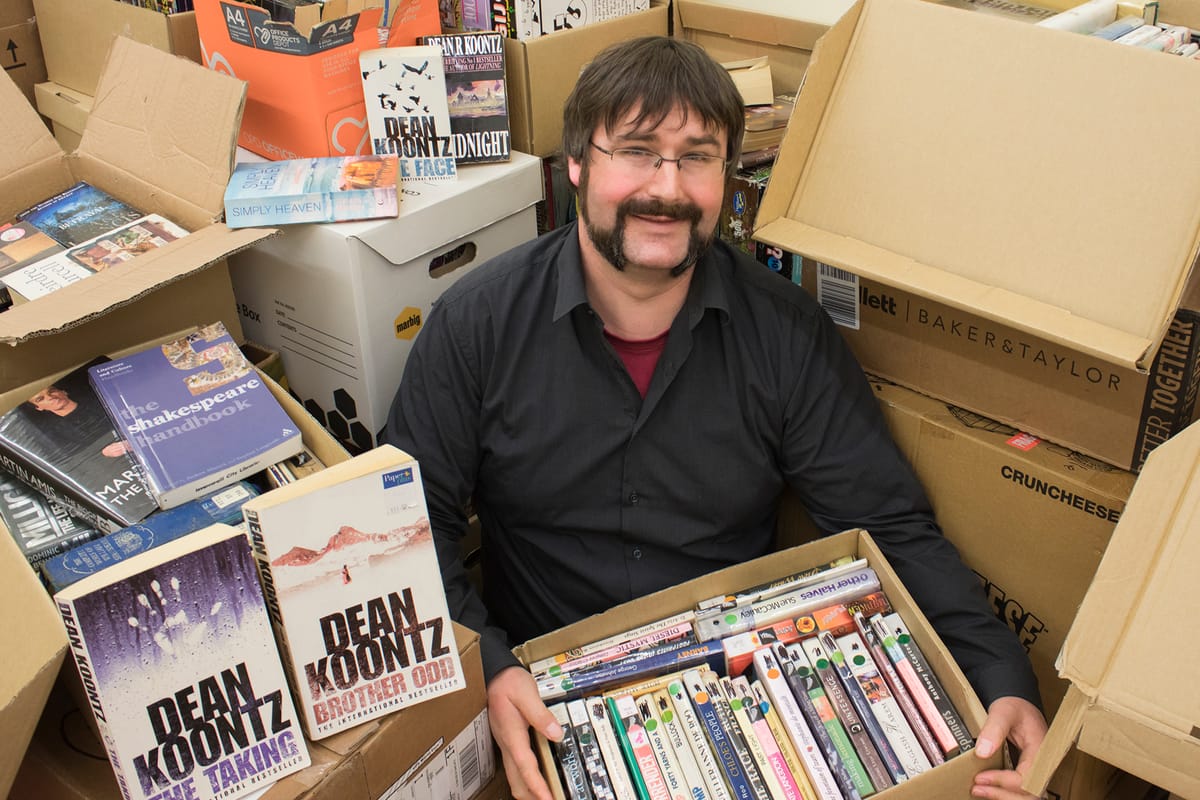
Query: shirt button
{"points": [[637, 552], [633, 498]]}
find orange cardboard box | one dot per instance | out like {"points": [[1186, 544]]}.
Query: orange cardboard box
{"points": [[304, 92]]}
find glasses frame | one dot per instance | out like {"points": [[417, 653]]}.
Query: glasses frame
{"points": [[661, 158]]}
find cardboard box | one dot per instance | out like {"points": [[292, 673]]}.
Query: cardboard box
{"points": [[23, 60], [1023, 278], [76, 35], [160, 137], [304, 95], [1031, 518], [784, 32], [67, 111], [342, 303], [951, 780], [541, 73], [1130, 655]]}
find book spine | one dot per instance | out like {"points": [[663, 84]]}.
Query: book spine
{"points": [[58, 491], [750, 596], [770, 674], [852, 651], [689, 769], [706, 712], [765, 749], [739, 648], [91, 688], [658, 660], [668, 759], [742, 736], [629, 647], [786, 748], [626, 717], [610, 749], [827, 729], [250, 212], [545, 664], [566, 751], [913, 655], [697, 739], [589, 751]]}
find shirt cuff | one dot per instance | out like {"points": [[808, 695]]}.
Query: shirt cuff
{"points": [[496, 655]]}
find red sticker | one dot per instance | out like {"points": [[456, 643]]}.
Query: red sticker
{"points": [[1024, 441]]}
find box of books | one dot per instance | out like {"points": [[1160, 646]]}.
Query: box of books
{"points": [[174, 162], [1030, 517], [542, 71], [730, 30], [76, 35], [811, 714], [342, 303], [934, 260], [1129, 655], [304, 96]]}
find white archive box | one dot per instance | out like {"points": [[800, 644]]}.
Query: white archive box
{"points": [[342, 302]]}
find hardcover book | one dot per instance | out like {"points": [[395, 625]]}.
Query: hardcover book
{"points": [[476, 94], [80, 213], [293, 191], [196, 413], [41, 528], [61, 442], [179, 669], [348, 562], [407, 111]]}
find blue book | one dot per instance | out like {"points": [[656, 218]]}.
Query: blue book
{"points": [[196, 414], [223, 506], [79, 214], [312, 190]]}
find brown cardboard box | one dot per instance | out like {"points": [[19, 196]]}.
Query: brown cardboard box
{"points": [[951, 780], [1031, 518], [161, 136], [67, 111], [959, 185], [22, 52], [1131, 653], [76, 36], [542, 72]]}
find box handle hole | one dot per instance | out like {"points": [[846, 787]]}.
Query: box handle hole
{"points": [[452, 259]]}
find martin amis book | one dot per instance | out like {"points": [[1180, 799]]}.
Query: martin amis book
{"points": [[174, 650], [348, 566], [331, 189], [196, 414]]}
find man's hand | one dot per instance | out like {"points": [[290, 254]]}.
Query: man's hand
{"points": [[1021, 723], [513, 707]]}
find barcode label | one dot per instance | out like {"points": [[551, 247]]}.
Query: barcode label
{"points": [[468, 765], [837, 293]]}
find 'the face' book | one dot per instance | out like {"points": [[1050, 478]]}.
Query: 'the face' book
{"points": [[196, 413], [351, 576], [179, 668]]}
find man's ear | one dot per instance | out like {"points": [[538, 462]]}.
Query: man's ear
{"points": [[573, 170]]}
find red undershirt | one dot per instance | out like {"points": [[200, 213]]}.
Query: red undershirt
{"points": [[640, 357]]}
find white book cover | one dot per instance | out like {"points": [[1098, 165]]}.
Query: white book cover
{"points": [[351, 576], [408, 113]]}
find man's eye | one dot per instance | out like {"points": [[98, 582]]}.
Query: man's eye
{"points": [[696, 158], [640, 155]]}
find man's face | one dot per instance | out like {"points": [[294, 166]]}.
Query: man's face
{"points": [[659, 219], [52, 399]]}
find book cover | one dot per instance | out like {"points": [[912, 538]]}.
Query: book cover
{"points": [[476, 94], [299, 190], [41, 528], [463, 16], [356, 598], [21, 244], [196, 414], [568, 756], [180, 671], [78, 214], [535, 18], [61, 442], [223, 506], [408, 115]]}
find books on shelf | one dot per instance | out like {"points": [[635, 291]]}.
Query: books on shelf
{"points": [[177, 662], [477, 95], [61, 442], [352, 580], [330, 189], [408, 114], [196, 414]]}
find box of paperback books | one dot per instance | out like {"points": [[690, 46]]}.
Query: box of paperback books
{"points": [[145, 162], [712, 719], [1129, 655], [934, 260]]}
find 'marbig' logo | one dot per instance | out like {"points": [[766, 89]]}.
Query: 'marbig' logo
{"points": [[408, 322]]}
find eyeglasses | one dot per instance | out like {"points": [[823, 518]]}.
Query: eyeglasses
{"points": [[640, 163]]}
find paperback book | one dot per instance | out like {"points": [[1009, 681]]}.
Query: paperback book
{"points": [[179, 669], [61, 442], [196, 413], [476, 95], [41, 528], [408, 114], [292, 191], [21, 244], [79, 214], [351, 574]]}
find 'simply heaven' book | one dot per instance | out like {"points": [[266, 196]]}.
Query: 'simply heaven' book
{"points": [[352, 582], [175, 653]]}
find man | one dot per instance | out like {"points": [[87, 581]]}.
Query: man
{"points": [[625, 399]]}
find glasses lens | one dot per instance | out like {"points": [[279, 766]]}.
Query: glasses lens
{"points": [[698, 165], [634, 160]]}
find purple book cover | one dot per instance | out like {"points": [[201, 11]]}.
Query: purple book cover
{"points": [[196, 414], [181, 671]]}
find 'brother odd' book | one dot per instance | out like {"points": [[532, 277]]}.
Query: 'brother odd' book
{"points": [[175, 653], [351, 576]]}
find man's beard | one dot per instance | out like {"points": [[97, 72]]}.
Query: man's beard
{"points": [[610, 242]]}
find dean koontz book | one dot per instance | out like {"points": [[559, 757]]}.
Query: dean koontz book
{"points": [[351, 577], [332, 189], [476, 94], [175, 653], [196, 414]]}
